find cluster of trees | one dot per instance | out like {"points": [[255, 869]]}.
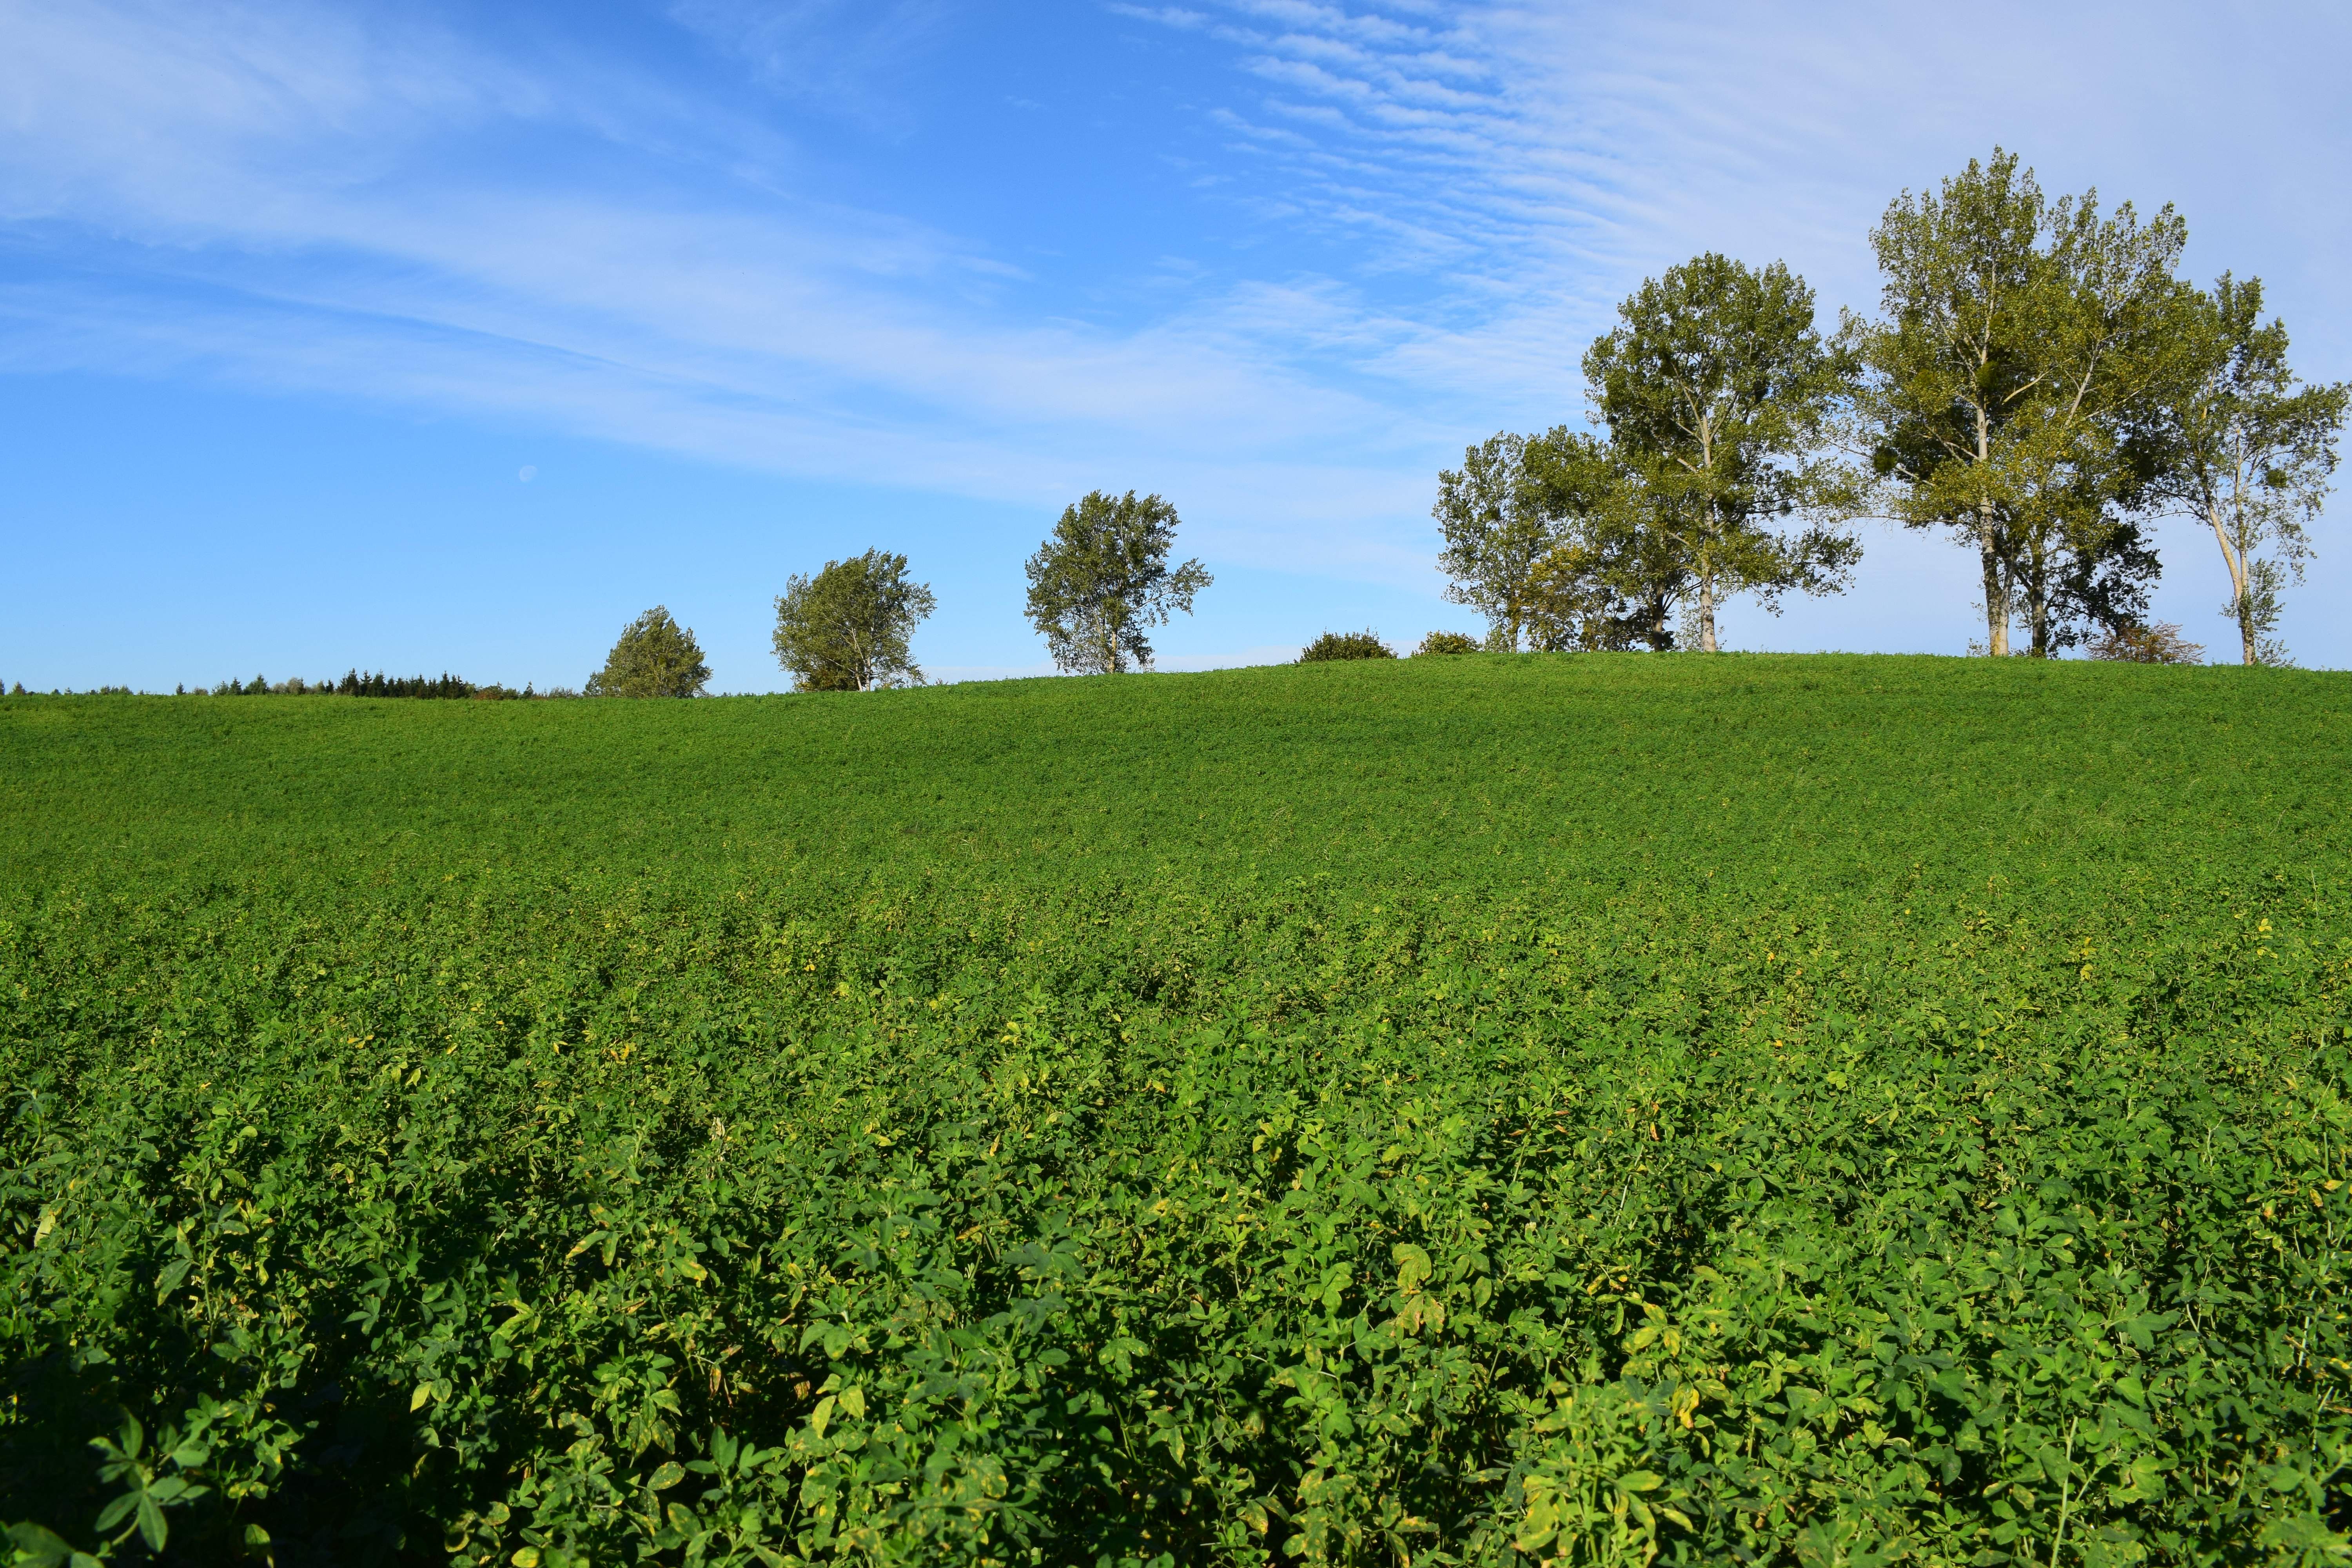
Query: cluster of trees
{"points": [[2041, 383], [1098, 586]]}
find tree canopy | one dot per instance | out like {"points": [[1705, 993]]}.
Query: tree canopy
{"points": [[2025, 342], [655, 657], [1718, 392], [1102, 579], [848, 627], [1496, 525], [2248, 451]]}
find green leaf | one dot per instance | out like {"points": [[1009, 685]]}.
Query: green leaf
{"points": [[668, 1476], [151, 1528], [1413, 1266], [38, 1548]]}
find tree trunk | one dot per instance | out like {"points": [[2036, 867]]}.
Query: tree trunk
{"points": [[1996, 595], [2236, 561], [1996, 587], [2037, 603], [1707, 558]]}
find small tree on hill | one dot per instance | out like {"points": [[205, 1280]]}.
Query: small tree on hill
{"points": [[1104, 577], [847, 628], [655, 657], [1345, 644]]}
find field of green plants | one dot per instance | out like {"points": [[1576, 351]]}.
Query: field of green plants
{"points": [[1554, 1109]]}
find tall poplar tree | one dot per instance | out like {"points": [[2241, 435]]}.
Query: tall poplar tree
{"points": [[1103, 578], [1716, 388], [2248, 452], [2023, 342]]}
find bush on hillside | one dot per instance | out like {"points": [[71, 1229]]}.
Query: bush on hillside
{"points": [[2159, 642], [1447, 642], [1345, 644]]}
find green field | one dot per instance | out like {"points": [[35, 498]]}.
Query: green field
{"points": [[1490, 1110]]}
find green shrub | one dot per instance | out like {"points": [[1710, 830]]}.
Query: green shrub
{"points": [[1447, 642], [1345, 644]]}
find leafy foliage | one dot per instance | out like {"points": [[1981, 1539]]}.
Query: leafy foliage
{"points": [[2159, 642], [1447, 643], [2247, 451], [352, 684], [655, 657], [1191, 1121], [1717, 392], [2027, 344], [848, 627], [1345, 644], [1103, 580], [1497, 524]]}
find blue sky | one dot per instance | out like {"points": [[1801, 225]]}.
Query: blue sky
{"points": [[293, 297]]}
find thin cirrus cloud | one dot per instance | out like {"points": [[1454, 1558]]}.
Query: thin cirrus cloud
{"points": [[1407, 219], [848, 56], [262, 199]]}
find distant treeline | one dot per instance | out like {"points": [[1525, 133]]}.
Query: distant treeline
{"points": [[355, 683], [352, 684]]}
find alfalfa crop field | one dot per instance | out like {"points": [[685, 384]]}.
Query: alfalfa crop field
{"points": [[1579, 1110]]}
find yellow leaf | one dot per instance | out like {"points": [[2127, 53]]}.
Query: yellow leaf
{"points": [[417, 1399], [854, 1400], [822, 1416]]}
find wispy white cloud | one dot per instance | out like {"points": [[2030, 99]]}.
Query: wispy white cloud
{"points": [[283, 233], [270, 191], [845, 56]]}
